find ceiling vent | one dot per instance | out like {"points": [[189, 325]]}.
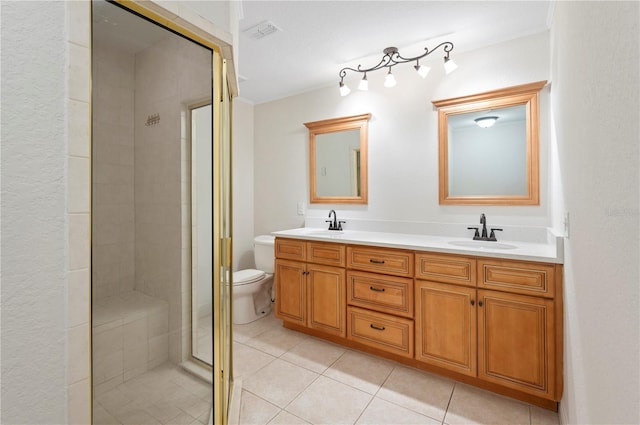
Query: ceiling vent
{"points": [[261, 30]]}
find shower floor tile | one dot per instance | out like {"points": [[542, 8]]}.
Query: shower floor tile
{"points": [[164, 395]]}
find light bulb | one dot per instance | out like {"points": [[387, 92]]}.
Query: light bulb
{"points": [[422, 70], [449, 65], [390, 80], [344, 90], [364, 84]]}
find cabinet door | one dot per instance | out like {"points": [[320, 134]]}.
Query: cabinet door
{"points": [[290, 289], [327, 299], [446, 326], [516, 342]]}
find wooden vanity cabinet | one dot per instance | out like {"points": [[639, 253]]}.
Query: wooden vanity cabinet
{"points": [[446, 326], [446, 312], [308, 292], [516, 342], [290, 286], [380, 299], [505, 335], [520, 326], [493, 323]]}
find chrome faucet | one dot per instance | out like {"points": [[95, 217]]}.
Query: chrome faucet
{"points": [[334, 224], [484, 237]]}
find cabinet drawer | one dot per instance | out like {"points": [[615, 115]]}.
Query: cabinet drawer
{"points": [[381, 331], [290, 249], [387, 294], [381, 260], [446, 268], [517, 277], [330, 254]]}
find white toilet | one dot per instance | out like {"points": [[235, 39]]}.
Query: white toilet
{"points": [[251, 287]]}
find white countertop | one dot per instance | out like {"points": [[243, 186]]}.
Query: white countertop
{"points": [[551, 252]]}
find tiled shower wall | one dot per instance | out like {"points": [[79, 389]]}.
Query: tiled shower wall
{"points": [[169, 76], [113, 186]]}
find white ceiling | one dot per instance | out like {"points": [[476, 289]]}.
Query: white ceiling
{"points": [[318, 38]]}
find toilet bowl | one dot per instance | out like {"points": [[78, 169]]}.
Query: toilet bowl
{"points": [[252, 287]]}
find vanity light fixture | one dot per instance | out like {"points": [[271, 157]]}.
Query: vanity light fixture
{"points": [[392, 58], [344, 89], [389, 80], [486, 122], [364, 83]]}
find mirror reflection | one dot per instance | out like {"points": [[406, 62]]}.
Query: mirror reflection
{"points": [[338, 163], [488, 147], [488, 152], [338, 160]]}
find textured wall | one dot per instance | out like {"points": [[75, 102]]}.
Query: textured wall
{"points": [[34, 233], [596, 99]]}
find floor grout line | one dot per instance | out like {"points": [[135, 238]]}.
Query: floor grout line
{"points": [[327, 367]]}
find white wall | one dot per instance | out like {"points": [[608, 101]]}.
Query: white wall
{"points": [[403, 144], [34, 226], [595, 93], [243, 207]]}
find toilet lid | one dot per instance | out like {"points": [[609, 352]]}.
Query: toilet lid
{"points": [[242, 277]]}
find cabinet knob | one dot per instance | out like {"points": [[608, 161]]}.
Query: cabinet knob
{"points": [[480, 303], [473, 302]]}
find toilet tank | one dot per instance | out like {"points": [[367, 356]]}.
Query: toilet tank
{"points": [[263, 252]]}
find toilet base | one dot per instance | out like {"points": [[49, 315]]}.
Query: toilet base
{"points": [[247, 312], [249, 306]]}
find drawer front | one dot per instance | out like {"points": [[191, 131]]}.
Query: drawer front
{"points": [[330, 254], [446, 268], [387, 294], [290, 249], [389, 261], [517, 277], [381, 331]]}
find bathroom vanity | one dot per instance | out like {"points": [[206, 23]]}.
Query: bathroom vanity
{"points": [[489, 317]]}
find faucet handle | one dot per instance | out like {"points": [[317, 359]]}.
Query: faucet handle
{"points": [[330, 224], [492, 235], [477, 234], [340, 222]]}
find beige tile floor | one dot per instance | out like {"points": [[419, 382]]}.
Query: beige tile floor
{"points": [[292, 378], [164, 395]]}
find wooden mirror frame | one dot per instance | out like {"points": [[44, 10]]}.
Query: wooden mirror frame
{"points": [[526, 94], [355, 122]]}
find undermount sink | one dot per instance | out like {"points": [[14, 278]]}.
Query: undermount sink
{"points": [[483, 244]]}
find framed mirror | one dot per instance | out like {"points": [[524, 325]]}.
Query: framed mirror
{"points": [[489, 147], [338, 160]]}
